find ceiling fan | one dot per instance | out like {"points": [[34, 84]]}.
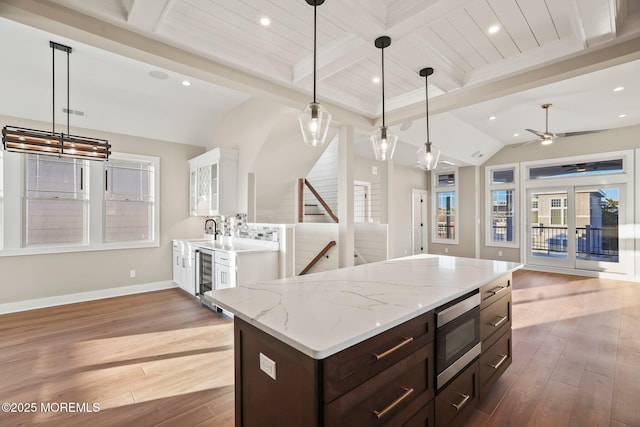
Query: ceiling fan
{"points": [[547, 137]]}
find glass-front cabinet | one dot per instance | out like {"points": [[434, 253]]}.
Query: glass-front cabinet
{"points": [[213, 183]]}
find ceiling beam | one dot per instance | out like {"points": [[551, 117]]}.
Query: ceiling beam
{"points": [[598, 20], [49, 16], [603, 56], [148, 14]]}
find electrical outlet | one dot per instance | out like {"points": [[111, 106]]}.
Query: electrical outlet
{"points": [[267, 366], [446, 250], [499, 253], [132, 274]]}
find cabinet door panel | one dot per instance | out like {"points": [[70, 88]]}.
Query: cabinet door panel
{"points": [[493, 291], [493, 362], [458, 399], [495, 320], [389, 398], [349, 368]]}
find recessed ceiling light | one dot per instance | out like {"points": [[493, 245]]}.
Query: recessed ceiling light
{"points": [[265, 22], [492, 118], [493, 29], [619, 89], [516, 134], [621, 116], [376, 80], [186, 83]]}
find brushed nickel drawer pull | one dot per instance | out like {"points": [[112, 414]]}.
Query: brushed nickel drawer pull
{"points": [[503, 357], [498, 289], [407, 393], [392, 349], [499, 322], [465, 399]]}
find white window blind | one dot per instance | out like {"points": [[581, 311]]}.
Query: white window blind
{"points": [[55, 201], [129, 201]]}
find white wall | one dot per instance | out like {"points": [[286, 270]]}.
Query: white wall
{"points": [[41, 276]]}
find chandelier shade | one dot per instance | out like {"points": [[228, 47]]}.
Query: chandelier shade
{"points": [[429, 155], [383, 141], [315, 119]]}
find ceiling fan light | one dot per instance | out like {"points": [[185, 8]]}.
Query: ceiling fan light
{"points": [[383, 143], [314, 124], [546, 141], [428, 156]]}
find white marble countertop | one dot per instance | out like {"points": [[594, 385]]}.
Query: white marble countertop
{"points": [[323, 313], [234, 244]]}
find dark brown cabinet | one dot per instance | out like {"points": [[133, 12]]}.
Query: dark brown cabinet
{"points": [[386, 380]]}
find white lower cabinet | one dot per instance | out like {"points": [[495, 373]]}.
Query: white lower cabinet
{"points": [[184, 266]]}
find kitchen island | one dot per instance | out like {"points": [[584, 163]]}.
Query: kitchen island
{"points": [[308, 348]]}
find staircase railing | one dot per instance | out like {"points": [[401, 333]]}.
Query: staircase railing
{"points": [[301, 183], [318, 257]]}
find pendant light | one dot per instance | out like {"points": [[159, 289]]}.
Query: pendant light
{"points": [[429, 155], [33, 141], [383, 142], [315, 119]]}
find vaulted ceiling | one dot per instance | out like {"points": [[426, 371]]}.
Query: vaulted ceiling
{"points": [[542, 51]]}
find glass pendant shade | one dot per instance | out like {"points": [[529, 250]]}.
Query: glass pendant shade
{"points": [[314, 124], [384, 143], [428, 156]]}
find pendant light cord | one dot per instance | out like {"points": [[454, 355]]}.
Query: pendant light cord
{"points": [[426, 89], [315, 19], [383, 122], [53, 85]]}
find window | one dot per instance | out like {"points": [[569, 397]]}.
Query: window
{"points": [[59, 205], [534, 212], [129, 201], [445, 207], [55, 201], [558, 211], [577, 169], [501, 182]]}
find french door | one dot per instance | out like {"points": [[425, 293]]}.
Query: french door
{"points": [[578, 227]]}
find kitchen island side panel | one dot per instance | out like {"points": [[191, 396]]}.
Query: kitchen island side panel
{"points": [[293, 396]]}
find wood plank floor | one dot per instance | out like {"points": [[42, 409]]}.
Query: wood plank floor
{"points": [[162, 359]]}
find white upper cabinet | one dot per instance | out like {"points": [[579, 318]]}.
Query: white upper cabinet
{"points": [[214, 183]]}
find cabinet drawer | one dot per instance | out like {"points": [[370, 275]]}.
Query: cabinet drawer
{"points": [[493, 291], [347, 369], [493, 362], [495, 320], [456, 402], [424, 418], [390, 398], [224, 258]]}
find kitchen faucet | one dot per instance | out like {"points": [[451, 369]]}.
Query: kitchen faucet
{"points": [[215, 227]]}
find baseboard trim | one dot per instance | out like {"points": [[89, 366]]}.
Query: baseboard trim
{"points": [[33, 304]]}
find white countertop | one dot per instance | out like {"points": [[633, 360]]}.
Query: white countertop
{"points": [[234, 244], [323, 313]]}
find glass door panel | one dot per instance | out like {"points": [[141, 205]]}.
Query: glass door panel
{"points": [[598, 216], [548, 229]]}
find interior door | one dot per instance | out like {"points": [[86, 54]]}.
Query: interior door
{"points": [[419, 221]]}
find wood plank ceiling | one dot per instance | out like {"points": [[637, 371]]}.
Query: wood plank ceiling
{"points": [[450, 35]]}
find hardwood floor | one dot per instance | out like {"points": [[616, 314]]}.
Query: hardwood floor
{"points": [[162, 359], [150, 359]]}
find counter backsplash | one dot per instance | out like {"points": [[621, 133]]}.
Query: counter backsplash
{"points": [[237, 226]]}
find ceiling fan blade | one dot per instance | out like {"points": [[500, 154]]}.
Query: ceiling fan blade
{"points": [[583, 132], [535, 132], [522, 144]]}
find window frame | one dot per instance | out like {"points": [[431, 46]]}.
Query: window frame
{"points": [[436, 190], [153, 229], [490, 187], [14, 164]]}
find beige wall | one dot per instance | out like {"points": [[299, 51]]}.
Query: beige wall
{"points": [[467, 217], [612, 140], [41, 276], [402, 181]]}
